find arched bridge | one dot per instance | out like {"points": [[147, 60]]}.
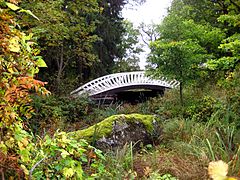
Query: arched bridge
{"points": [[115, 84]]}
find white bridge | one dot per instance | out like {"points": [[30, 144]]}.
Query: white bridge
{"points": [[118, 82]]}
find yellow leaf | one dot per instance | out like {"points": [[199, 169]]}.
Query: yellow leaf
{"points": [[25, 170], [20, 145], [12, 6], [10, 142], [29, 12], [64, 154], [3, 148], [25, 142], [232, 178], [14, 44], [68, 172], [10, 70]]}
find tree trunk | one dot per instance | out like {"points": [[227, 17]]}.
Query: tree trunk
{"points": [[181, 93], [60, 67], [61, 63]]}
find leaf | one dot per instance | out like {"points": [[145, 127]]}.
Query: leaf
{"points": [[84, 159], [68, 172], [10, 70], [25, 169], [14, 44], [25, 142], [12, 6], [64, 153], [24, 154], [29, 12], [41, 63], [99, 154], [20, 146], [3, 148]]}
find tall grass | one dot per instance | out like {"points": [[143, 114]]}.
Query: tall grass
{"points": [[206, 141], [120, 163]]}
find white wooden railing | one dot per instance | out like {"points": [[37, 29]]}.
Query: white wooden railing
{"points": [[118, 80]]}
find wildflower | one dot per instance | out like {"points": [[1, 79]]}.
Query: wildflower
{"points": [[217, 170]]}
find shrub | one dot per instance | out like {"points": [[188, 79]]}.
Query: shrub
{"points": [[19, 63], [56, 111], [65, 107], [202, 109], [59, 156]]}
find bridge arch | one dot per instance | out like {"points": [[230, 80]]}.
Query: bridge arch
{"points": [[117, 82]]}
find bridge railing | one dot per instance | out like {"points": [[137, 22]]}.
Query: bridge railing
{"points": [[117, 80]]}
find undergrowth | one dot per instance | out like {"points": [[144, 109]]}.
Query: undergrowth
{"points": [[204, 129]]}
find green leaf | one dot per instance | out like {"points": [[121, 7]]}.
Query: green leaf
{"points": [[58, 167], [84, 159], [12, 6], [29, 12], [24, 154], [99, 154], [79, 171], [41, 63]]}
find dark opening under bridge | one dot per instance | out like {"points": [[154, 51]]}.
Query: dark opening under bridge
{"points": [[127, 86]]}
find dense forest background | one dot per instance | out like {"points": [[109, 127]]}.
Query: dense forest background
{"points": [[48, 48], [80, 40]]}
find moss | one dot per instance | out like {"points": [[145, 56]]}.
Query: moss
{"points": [[104, 128]]}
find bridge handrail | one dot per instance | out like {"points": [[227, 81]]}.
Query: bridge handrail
{"points": [[116, 80]]}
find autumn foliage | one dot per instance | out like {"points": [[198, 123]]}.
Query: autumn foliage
{"points": [[19, 62]]}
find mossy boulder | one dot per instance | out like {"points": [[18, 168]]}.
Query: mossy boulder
{"points": [[115, 131]]}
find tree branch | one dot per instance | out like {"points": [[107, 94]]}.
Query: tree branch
{"points": [[35, 165]]}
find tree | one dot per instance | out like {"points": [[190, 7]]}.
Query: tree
{"points": [[148, 33], [79, 39], [183, 47], [230, 46], [178, 60], [218, 13], [65, 32], [130, 48], [110, 30]]}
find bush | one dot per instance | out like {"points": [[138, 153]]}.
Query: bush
{"points": [[202, 109], [56, 111], [56, 157]]}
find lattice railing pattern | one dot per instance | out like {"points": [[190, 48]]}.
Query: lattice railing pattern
{"points": [[118, 80]]}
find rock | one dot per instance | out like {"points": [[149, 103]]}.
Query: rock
{"points": [[115, 131]]}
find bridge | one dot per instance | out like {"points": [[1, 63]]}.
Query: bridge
{"points": [[120, 85]]}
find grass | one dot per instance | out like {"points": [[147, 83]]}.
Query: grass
{"points": [[165, 161], [120, 163]]}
